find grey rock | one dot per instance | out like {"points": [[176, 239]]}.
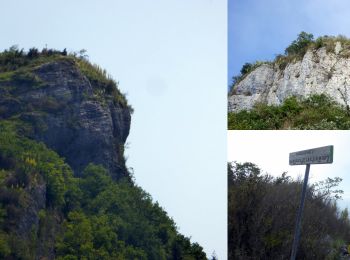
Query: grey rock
{"points": [[318, 72], [74, 117], [77, 119]]}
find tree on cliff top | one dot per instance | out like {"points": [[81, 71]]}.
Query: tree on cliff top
{"points": [[299, 46]]}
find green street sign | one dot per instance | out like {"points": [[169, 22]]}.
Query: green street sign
{"points": [[321, 155]]}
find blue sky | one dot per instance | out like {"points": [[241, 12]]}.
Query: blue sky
{"points": [[170, 57], [258, 30]]}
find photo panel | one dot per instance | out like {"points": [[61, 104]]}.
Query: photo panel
{"points": [[288, 194]]}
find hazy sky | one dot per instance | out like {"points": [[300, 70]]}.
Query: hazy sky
{"points": [[270, 151], [258, 30], [170, 57]]}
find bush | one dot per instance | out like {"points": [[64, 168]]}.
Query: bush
{"points": [[92, 217], [246, 68], [299, 46], [262, 211], [315, 112]]}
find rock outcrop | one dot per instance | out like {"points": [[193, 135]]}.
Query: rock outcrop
{"points": [[319, 71], [79, 120]]}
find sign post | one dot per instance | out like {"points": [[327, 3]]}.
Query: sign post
{"points": [[321, 155]]}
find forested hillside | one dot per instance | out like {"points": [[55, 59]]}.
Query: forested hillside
{"points": [[65, 191], [262, 212]]}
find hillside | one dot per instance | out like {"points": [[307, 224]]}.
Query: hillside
{"points": [[65, 191], [262, 213], [309, 68]]}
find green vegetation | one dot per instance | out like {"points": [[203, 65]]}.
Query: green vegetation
{"points": [[300, 45], [17, 67], [296, 51], [92, 217], [262, 212], [13, 58], [46, 211], [315, 112]]}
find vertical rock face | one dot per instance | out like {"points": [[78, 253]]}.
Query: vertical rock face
{"points": [[318, 72], [72, 116]]}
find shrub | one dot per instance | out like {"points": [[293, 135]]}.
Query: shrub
{"points": [[315, 112], [299, 46], [246, 68], [33, 53], [262, 210]]}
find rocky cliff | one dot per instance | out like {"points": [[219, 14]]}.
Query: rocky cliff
{"points": [[70, 113], [65, 191], [321, 69]]}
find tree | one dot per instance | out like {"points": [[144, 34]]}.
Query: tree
{"points": [[299, 46], [33, 53], [262, 211], [78, 237], [326, 189], [247, 67], [95, 179], [83, 54]]}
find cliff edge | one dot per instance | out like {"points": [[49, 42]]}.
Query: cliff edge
{"points": [[71, 108], [312, 67]]}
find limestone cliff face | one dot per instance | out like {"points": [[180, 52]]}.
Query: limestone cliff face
{"points": [[318, 72], [69, 113]]}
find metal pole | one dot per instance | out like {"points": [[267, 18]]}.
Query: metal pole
{"points": [[299, 216]]}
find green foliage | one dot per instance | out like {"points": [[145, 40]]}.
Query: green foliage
{"points": [[77, 238], [119, 220], [94, 180], [246, 68], [45, 211], [319, 43], [326, 189], [92, 217], [26, 168], [262, 211], [315, 112], [31, 161], [103, 82], [23, 77], [5, 249], [300, 45], [16, 68], [14, 58], [295, 52]]}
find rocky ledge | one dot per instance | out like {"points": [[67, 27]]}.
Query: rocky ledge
{"points": [[320, 71]]}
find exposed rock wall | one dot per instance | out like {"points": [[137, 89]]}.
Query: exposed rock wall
{"points": [[70, 118], [318, 72]]}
